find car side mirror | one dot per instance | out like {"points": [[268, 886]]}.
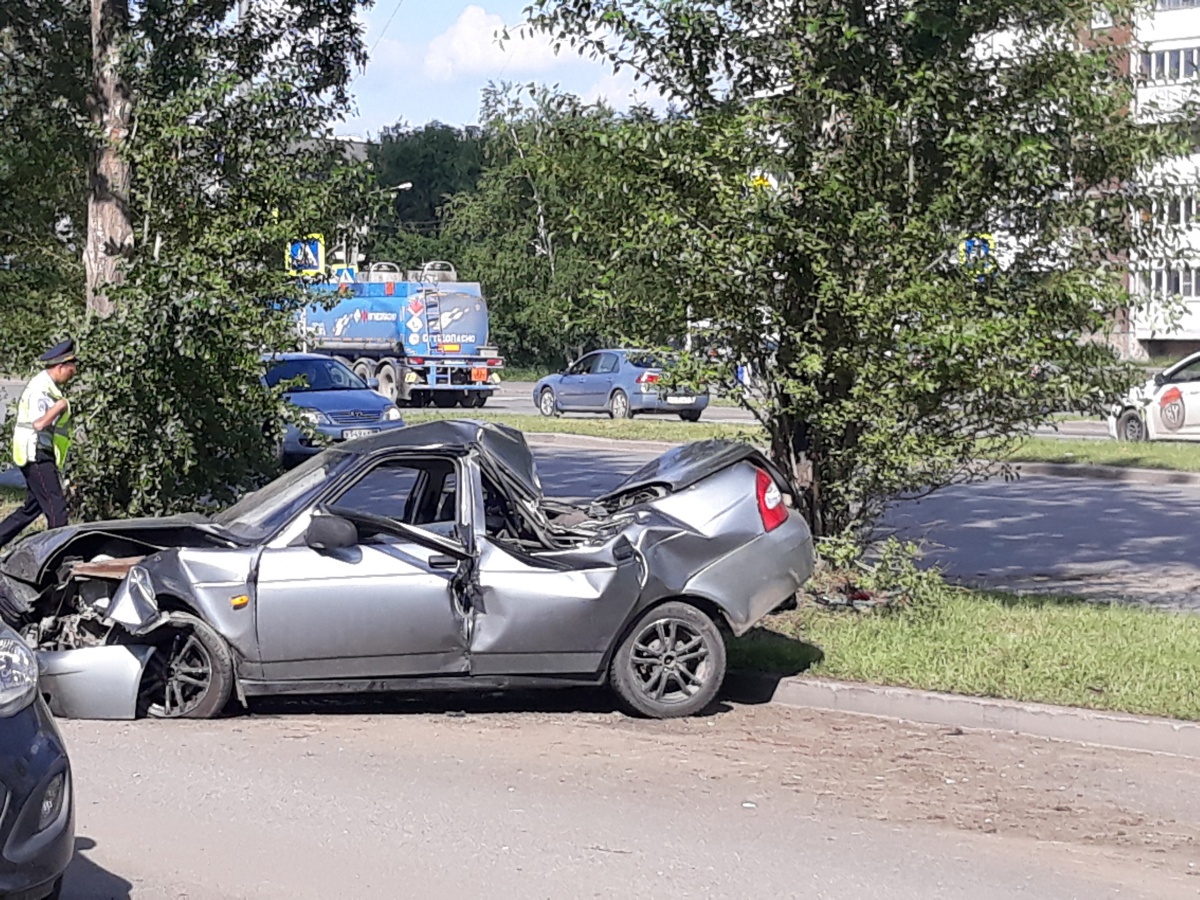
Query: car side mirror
{"points": [[373, 383], [1160, 379], [328, 533]]}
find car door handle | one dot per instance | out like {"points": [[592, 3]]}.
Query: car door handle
{"points": [[441, 561]]}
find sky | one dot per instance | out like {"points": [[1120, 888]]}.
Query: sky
{"points": [[430, 60]]}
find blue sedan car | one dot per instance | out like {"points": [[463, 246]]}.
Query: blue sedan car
{"points": [[622, 383], [37, 812], [335, 401]]}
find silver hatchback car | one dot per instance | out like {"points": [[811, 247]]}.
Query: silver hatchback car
{"points": [[421, 558]]}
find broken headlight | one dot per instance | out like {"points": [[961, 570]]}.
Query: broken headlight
{"points": [[18, 674]]}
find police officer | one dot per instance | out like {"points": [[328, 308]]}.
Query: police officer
{"points": [[40, 442]]}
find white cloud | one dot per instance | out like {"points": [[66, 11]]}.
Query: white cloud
{"points": [[471, 46], [621, 90]]}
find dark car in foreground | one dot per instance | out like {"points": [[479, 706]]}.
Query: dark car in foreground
{"points": [[622, 383], [421, 558], [37, 815], [333, 401]]}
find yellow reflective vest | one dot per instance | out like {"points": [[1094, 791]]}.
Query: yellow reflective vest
{"points": [[32, 406]]}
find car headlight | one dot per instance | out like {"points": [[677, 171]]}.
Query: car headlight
{"points": [[392, 414], [18, 676], [314, 417]]}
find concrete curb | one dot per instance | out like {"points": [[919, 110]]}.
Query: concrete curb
{"points": [[1109, 473], [1063, 723]]}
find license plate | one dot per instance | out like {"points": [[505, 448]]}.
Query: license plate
{"points": [[351, 433], [681, 401], [480, 374]]}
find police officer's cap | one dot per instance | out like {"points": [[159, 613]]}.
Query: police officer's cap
{"points": [[59, 354]]}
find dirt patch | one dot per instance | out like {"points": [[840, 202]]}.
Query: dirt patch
{"points": [[1131, 813]]}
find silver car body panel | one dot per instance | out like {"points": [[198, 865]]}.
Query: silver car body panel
{"points": [[93, 682], [454, 602]]}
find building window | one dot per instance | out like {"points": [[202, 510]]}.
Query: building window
{"points": [[1165, 66], [1177, 4]]}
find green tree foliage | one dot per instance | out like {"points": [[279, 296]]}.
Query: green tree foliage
{"points": [[232, 157], [439, 161], [517, 230], [811, 204], [43, 53]]}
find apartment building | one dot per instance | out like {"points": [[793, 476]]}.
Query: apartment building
{"points": [[1167, 62]]}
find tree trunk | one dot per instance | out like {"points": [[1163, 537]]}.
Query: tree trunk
{"points": [[109, 227]]}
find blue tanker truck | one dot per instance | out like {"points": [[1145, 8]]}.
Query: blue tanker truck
{"points": [[422, 333]]}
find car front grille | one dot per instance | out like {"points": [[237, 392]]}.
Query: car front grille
{"points": [[352, 417]]}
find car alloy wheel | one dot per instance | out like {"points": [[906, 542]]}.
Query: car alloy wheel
{"points": [[190, 676], [671, 663], [546, 404], [1130, 427], [618, 406]]}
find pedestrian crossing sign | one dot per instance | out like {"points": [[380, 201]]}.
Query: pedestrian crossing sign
{"points": [[977, 254], [307, 256]]}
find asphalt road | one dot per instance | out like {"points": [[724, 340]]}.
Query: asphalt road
{"points": [[561, 797], [516, 398]]}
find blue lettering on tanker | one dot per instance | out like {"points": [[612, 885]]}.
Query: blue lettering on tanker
{"points": [[413, 319]]}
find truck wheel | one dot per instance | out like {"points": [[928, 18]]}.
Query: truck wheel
{"points": [[364, 368], [479, 399], [388, 381], [445, 399]]}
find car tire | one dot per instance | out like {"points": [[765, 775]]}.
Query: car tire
{"points": [[619, 406], [1131, 427], [188, 652], [547, 405], [692, 415], [670, 664]]}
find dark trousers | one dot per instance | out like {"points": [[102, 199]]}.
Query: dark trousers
{"points": [[44, 494]]}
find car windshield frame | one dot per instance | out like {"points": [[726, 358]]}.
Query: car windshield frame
{"points": [[260, 515], [292, 369]]}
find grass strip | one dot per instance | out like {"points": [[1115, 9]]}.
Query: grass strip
{"points": [[1179, 457], [1030, 648], [640, 429]]}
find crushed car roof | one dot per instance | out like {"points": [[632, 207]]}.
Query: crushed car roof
{"points": [[502, 445]]}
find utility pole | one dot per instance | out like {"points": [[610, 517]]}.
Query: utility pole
{"points": [[109, 226]]}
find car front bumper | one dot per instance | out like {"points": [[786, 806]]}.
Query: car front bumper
{"points": [[296, 444], [32, 755]]}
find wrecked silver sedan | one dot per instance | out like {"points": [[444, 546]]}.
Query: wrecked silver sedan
{"points": [[421, 558]]}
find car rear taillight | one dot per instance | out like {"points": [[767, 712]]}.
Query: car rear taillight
{"points": [[495, 363], [771, 507], [647, 378], [417, 360]]}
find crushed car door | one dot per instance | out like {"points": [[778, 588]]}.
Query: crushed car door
{"points": [[544, 611], [552, 613], [383, 607]]}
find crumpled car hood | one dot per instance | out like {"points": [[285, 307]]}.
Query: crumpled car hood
{"points": [[27, 560]]}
